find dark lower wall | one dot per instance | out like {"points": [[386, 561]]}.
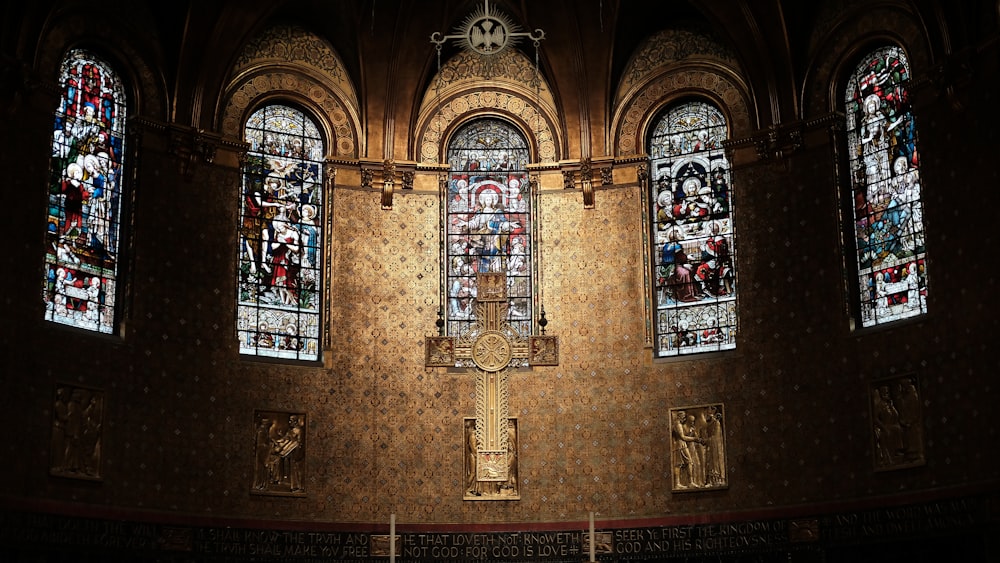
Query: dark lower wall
{"points": [[958, 528]]}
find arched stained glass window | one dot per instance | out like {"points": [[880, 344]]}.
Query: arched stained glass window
{"points": [[693, 236], [488, 220], [86, 187], [281, 250], [885, 176]]}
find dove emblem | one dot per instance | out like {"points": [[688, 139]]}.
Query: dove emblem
{"points": [[487, 36]]}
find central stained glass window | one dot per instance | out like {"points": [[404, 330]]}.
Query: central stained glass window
{"points": [[488, 220]]}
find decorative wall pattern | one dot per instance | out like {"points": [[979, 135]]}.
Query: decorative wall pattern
{"points": [[291, 44], [672, 45]]}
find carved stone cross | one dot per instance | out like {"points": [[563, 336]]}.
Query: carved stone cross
{"points": [[491, 347]]}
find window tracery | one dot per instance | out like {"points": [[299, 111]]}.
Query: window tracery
{"points": [[886, 189], [693, 232], [85, 203], [280, 236], [488, 220]]}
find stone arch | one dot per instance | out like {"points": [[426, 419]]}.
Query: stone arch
{"points": [[460, 91], [147, 88], [847, 38], [671, 64], [632, 121], [292, 63]]}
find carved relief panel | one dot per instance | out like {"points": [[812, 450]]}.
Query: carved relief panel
{"points": [[279, 453], [77, 427], [897, 423], [698, 448]]}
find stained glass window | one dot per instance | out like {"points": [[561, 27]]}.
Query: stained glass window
{"points": [[885, 177], [693, 235], [488, 220], [86, 187], [280, 236]]}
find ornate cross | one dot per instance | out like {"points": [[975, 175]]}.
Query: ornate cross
{"points": [[491, 347]]}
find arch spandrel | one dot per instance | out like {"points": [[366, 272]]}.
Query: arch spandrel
{"points": [[671, 63], [667, 47], [289, 45]]}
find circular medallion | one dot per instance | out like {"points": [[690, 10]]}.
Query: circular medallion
{"points": [[492, 351], [486, 35]]}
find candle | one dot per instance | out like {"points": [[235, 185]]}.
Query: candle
{"points": [[392, 538], [592, 536]]}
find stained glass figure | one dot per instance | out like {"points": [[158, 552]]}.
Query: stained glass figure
{"points": [[83, 230], [488, 220], [885, 179], [693, 235], [280, 236]]}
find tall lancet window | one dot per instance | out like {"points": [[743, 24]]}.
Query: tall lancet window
{"points": [[87, 195], [885, 177], [693, 235], [280, 236], [488, 216]]}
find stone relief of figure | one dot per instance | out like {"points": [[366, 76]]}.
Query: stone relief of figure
{"points": [[478, 489], [279, 453], [897, 425], [77, 422], [697, 448]]}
